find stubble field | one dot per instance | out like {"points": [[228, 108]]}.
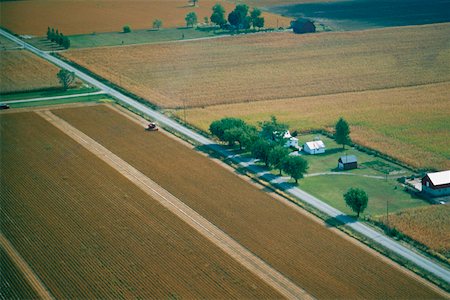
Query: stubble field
{"points": [[312, 256], [87, 232], [33, 17], [24, 71]]}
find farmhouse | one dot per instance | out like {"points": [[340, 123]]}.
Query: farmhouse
{"points": [[290, 141], [314, 147], [436, 184], [347, 162]]}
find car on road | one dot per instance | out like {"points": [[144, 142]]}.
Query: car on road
{"points": [[4, 106]]}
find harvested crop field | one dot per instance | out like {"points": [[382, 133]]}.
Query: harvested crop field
{"points": [[13, 284], [24, 71], [87, 16], [122, 245], [427, 225], [325, 264], [275, 65], [414, 123]]}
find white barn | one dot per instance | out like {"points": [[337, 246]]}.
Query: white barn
{"points": [[314, 147]]}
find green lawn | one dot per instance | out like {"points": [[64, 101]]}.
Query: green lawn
{"points": [[46, 93], [327, 162], [60, 101], [330, 189], [136, 37]]}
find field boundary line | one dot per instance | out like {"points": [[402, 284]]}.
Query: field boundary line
{"points": [[54, 97], [243, 256], [26, 270]]}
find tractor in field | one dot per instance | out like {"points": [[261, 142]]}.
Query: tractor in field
{"points": [[152, 127]]}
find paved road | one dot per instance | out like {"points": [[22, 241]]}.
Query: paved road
{"points": [[249, 260], [419, 260], [53, 98]]}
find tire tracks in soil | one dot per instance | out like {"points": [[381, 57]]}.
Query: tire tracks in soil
{"points": [[253, 263]]}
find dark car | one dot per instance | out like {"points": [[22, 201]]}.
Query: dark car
{"points": [[4, 106]]}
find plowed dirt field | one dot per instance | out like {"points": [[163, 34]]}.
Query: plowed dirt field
{"points": [[87, 16], [323, 263], [87, 232]]}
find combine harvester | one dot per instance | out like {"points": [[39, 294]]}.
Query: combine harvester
{"points": [[152, 127]]}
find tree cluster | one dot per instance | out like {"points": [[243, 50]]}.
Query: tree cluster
{"points": [[239, 18], [58, 37], [303, 26], [267, 144]]}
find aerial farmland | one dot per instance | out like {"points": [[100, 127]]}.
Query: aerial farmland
{"points": [[156, 149]]}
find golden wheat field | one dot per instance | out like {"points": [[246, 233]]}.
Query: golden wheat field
{"points": [[429, 225], [314, 257], [87, 16], [24, 71], [276, 65], [405, 123], [89, 233]]}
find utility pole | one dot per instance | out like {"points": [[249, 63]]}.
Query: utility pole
{"points": [[184, 109]]}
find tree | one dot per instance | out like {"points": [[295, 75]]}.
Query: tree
{"points": [[66, 78], [191, 19], [256, 19], [157, 24], [342, 135], [218, 128], [60, 39], [126, 29], [218, 15], [49, 32], [295, 166], [261, 149], [66, 42], [277, 156], [272, 130], [52, 35], [303, 26], [356, 199]]}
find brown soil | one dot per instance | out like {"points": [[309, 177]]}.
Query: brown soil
{"points": [[88, 232], [323, 263], [87, 16]]}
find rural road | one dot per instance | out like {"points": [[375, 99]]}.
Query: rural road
{"points": [[421, 261], [253, 263], [53, 98]]}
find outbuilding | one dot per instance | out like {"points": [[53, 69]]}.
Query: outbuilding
{"points": [[347, 162], [314, 147], [436, 184]]}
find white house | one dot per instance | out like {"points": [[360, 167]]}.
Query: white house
{"points": [[314, 147], [290, 141], [436, 184]]}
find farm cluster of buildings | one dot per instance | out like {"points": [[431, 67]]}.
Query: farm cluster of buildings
{"points": [[317, 146]]}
